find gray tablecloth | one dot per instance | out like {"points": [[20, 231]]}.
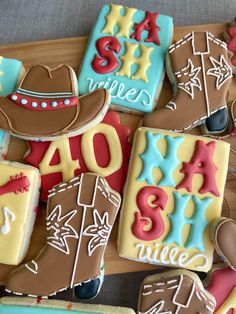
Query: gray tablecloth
{"points": [[28, 20]]}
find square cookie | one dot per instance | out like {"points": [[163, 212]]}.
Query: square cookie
{"points": [[126, 54], [174, 191], [19, 194]]}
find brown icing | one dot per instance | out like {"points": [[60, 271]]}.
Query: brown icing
{"points": [[37, 123], [224, 238], [201, 86], [80, 217], [172, 294]]}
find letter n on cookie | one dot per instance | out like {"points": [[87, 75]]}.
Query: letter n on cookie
{"points": [[173, 192]]}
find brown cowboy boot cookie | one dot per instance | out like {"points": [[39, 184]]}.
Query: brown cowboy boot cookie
{"points": [[199, 71], [175, 292], [223, 234], [80, 217], [46, 105]]}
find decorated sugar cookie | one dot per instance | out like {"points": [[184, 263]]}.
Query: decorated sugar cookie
{"points": [[11, 71], [198, 68], [230, 37], [18, 305], [80, 217], [46, 105], [125, 55], [103, 149], [175, 292], [174, 191], [222, 284], [223, 234], [19, 194]]}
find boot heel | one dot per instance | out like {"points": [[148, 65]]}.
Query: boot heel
{"points": [[216, 123]]}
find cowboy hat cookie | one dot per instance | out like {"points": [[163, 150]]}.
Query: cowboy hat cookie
{"points": [[174, 191], [19, 194], [104, 149], [46, 105], [80, 216], [18, 305], [175, 292], [221, 283], [125, 55], [197, 66], [11, 71], [223, 234], [230, 37]]}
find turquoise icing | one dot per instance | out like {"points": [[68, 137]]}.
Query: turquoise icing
{"points": [[9, 73], [89, 80], [152, 158], [13, 309], [198, 221]]}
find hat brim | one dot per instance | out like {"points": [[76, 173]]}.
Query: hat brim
{"points": [[52, 124]]}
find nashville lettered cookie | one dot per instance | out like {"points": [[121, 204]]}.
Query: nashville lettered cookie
{"points": [[174, 191], [46, 105], [222, 285], [80, 216], [175, 292], [223, 234], [198, 68], [19, 195], [125, 55], [104, 149], [11, 71], [18, 305]]}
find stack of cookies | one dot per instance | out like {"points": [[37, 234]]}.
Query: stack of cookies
{"points": [[168, 179]]}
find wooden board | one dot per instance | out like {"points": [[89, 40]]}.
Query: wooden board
{"points": [[70, 51]]}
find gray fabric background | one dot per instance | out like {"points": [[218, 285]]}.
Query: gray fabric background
{"points": [[28, 20]]}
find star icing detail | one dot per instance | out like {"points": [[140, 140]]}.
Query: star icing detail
{"points": [[99, 231], [221, 70], [193, 81], [61, 229]]}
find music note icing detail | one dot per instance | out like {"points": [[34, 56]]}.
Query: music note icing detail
{"points": [[8, 215]]}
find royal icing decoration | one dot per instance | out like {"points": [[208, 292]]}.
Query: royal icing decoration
{"points": [[174, 191], [16, 305], [10, 70], [80, 217], [223, 287], [19, 193], [230, 36], [103, 149], [125, 55], [174, 292], [200, 75]]}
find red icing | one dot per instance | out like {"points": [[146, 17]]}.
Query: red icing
{"points": [[231, 31], [106, 62], [201, 163], [221, 285], [233, 133], [16, 184], [148, 24], [73, 101], [149, 213], [116, 180]]}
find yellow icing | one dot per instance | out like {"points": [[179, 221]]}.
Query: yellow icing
{"points": [[229, 304], [114, 18], [21, 206], [127, 241], [87, 148], [67, 166], [143, 61]]}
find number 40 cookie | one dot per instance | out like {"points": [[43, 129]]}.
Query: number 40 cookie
{"points": [[173, 193]]}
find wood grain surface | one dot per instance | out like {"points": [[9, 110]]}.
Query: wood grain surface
{"points": [[70, 51]]}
